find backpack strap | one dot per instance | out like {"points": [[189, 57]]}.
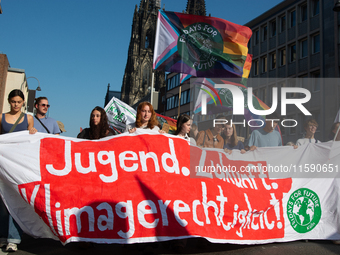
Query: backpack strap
{"points": [[16, 123], [48, 131]]}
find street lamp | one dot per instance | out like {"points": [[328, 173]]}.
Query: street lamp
{"points": [[38, 88]]}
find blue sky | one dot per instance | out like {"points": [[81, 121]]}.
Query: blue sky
{"points": [[76, 47]]}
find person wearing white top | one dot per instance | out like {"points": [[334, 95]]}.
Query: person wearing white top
{"points": [[183, 128], [146, 118], [310, 126]]}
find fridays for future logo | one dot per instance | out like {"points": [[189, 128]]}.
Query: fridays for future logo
{"points": [[199, 44]]}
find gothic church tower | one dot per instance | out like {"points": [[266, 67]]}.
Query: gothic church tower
{"points": [[196, 7], [138, 71]]}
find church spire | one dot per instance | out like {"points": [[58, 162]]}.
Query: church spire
{"points": [[196, 7], [150, 6]]}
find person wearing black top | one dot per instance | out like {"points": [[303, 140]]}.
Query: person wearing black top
{"points": [[99, 126]]}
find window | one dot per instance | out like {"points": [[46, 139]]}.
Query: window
{"points": [[173, 82], [256, 67], [316, 43], [262, 95], [264, 33], [282, 23], [316, 81], [146, 76], [264, 64], [270, 96], [273, 28], [292, 130], [292, 53], [303, 12], [316, 7], [272, 60], [292, 19], [291, 84], [256, 41], [147, 42], [282, 57], [172, 102], [304, 48], [303, 83], [185, 97], [255, 92]]}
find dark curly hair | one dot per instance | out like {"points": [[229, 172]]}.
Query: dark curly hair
{"points": [[153, 120], [100, 130]]}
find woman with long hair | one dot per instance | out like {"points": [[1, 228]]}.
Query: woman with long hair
{"points": [[13, 121], [231, 141], [99, 126], [183, 128], [146, 118]]}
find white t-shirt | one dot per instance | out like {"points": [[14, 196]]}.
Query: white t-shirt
{"points": [[303, 141], [133, 125], [189, 139]]}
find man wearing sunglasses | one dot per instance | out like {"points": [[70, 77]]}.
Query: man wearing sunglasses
{"points": [[41, 122]]}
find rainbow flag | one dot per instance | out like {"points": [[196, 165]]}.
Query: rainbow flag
{"points": [[246, 69], [167, 120], [221, 100], [199, 45]]}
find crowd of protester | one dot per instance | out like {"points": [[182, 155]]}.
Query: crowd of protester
{"points": [[219, 136]]}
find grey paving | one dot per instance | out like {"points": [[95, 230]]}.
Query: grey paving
{"points": [[31, 246]]}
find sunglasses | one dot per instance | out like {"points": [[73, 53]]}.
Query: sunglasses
{"points": [[45, 105]]}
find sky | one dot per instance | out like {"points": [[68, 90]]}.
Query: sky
{"points": [[75, 48]]}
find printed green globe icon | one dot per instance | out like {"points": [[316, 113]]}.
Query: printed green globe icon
{"points": [[303, 210]]}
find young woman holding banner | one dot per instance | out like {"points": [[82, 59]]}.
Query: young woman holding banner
{"points": [[99, 126], [231, 141], [13, 121], [146, 119], [183, 128]]}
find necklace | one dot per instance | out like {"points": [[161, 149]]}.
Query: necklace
{"points": [[14, 117]]}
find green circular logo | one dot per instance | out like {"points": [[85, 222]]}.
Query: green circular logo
{"points": [[303, 210], [199, 46]]}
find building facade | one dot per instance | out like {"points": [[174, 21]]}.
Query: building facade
{"points": [[110, 94], [296, 44], [14, 78]]}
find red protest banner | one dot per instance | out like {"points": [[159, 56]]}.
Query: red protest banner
{"points": [[139, 188]]}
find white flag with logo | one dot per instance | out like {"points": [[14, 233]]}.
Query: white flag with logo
{"points": [[120, 114]]}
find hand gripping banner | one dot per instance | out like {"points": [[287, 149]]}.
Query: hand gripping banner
{"points": [[147, 187]]}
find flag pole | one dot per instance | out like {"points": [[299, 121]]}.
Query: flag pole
{"points": [[152, 85], [336, 134], [179, 100]]}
